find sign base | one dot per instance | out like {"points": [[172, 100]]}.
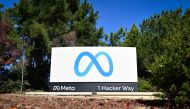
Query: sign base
{"points": [[93, 87]]}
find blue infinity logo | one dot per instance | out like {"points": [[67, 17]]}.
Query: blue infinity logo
{"points": [[95, 62]]}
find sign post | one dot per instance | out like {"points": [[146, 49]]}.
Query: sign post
{"points": [[93, 69]]}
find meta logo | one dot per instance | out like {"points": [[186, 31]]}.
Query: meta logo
{"points": [[93, 62]]}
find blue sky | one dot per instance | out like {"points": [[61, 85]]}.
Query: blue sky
{"points": [[114, 14], [8, 3]]}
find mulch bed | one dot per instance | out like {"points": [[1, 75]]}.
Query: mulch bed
{"points": [[21, 101]]}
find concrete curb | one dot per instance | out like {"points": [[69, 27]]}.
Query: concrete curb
{"points": [[119, 95]]}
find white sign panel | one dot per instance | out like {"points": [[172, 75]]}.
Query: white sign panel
{"points": [[93, 64]]}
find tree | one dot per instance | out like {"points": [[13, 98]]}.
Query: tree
{"points": [[1, 7], [132, 37], [8, 54], [38, 66], [53, 23], [166, 54], [114, 39]]}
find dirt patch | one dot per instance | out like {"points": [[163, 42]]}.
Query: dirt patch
{"points": [[19, 101]]}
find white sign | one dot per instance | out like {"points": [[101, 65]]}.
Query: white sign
{"points": [[93, 64]]}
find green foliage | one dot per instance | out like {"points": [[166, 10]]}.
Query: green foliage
{"points": [[166, 47], [182, 99], [114, 39], [8, 86], [132, 37], [38, 67], [10, 81], [8, 53], [163, 54], [145, 85], [1, 6], [43, 24]]}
